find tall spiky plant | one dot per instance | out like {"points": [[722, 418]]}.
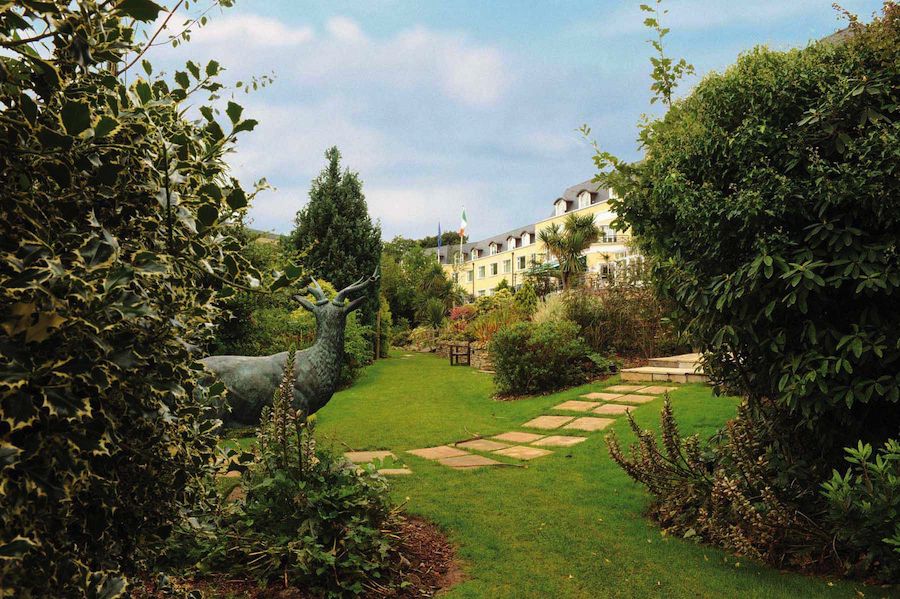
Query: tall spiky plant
{"points": [[285, 438], [567, 243]]}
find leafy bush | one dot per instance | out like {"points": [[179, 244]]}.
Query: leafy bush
{"points": [[535, 358], [115, 245], [864, 510], [720, 492], [769, 203], [624, 319], [526, 300], [432, 312], [305, 518], [357, 349]]}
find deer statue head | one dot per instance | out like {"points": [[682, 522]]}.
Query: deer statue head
{"points": [[332, 314]]}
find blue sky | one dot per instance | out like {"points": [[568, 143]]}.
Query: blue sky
{"points": [[443, 104]]}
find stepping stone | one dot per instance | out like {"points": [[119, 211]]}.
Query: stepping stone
{"points": [[625, 388], [482, 445], [603, 396], [439, 452], [464, 462], [657, 390], [612, 409], [548, 422], [395, 471], [559, 441], [517, 437], [577, 406], [634, 399], [521, 452], [587, 423], [364, 457]]}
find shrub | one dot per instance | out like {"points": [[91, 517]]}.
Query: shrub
{"points": [[550, 308], [535, 358], [526, 300], [624, 319], [357, 349], [306, 518], [114, 248], [769, 204], [432, 312], [864, 510]]}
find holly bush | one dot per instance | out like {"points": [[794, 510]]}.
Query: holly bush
{"points": [[114, 249]]}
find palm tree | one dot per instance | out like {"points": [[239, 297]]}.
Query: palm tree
{"points": [[567, 243]]}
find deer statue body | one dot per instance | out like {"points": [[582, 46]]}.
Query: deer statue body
{"points": [[251, 380]]}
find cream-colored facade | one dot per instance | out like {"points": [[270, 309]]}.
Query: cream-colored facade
{"points": [[482, 265]]}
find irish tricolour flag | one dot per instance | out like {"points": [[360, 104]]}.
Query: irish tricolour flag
{"points": [[463, 224]]}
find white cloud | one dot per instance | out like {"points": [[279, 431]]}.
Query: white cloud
{"points": [[345, 29]]}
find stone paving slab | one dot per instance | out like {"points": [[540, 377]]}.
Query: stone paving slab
{"points": [[517, 437], [364, 457], [612, 409], [657, 390], [548, 422], [577, 406], [439, 452], [521, 452], [395, 471], [634, 399], [467, 461], [482, 445], [625, 388], [559, 441], [588, 423], [603, 396]]}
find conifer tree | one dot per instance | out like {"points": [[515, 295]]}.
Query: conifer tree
{"points": [[335, 229]]}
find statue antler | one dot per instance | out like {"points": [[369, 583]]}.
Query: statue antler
{"points": [[317, 292], [359, 285]]}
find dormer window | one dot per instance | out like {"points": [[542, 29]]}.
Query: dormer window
{"points": [[560, 207], [474, 254], [493, 248], [584, 199], [510, 243], [526, 239]]}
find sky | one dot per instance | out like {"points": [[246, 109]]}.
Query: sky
{"points": [[440, 105]]}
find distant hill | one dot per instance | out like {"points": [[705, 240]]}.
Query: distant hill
{"points": [[266, 236]]}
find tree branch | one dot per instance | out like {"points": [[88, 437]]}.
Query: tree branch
{"points": [[152, 39]]}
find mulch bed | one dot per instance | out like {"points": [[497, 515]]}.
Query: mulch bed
{"points": [[428, 564]]}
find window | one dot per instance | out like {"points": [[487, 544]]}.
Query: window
{"points": [[507, 264], [607, 234], [560, 207], [493, 248], [493, 269], [480, 272], [521, 263], [510, 243], [474, 254], [526, 239], [584, 200], [470, 276], [481, 293]]}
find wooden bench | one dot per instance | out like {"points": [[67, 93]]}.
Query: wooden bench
{"points": [[460, 355]]}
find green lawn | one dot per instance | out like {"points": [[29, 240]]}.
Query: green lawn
{"points": [[567, 525]]}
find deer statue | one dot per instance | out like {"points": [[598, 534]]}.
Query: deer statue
{"points": [[251, 380]]}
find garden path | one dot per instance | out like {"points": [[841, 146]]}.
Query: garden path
{"points": [[590, 416]]}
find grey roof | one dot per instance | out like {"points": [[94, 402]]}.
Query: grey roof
{"points": [[483, 244], [599, 193]]}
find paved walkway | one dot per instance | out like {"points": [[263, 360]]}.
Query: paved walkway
{"points": [[590, 414]]}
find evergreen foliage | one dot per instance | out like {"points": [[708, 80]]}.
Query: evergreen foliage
{"points": [[334, 229], [769, 203], [115, 246]]}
